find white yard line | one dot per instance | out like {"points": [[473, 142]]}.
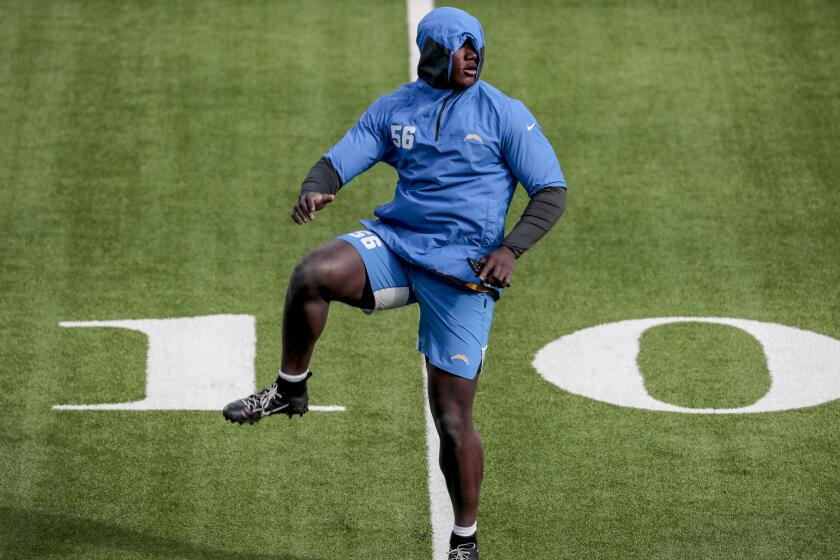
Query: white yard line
{"points": [[416, 10], [442, 517], [439, 505]]}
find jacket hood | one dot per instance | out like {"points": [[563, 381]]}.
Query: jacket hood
{"points": [[442, 32]]}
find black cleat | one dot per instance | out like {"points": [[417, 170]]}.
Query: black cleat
{"points": [[467, 551], [265, 403]]}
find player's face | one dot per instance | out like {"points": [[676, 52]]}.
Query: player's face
{"points": [[465, 65]]}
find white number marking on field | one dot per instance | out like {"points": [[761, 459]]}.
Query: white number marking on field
{"points": [[600, 363], [192, 363]]}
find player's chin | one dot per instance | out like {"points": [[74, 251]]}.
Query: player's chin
{"points": [[465, 80]]}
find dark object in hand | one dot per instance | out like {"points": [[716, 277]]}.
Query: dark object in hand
{"points": [[475, 265]]}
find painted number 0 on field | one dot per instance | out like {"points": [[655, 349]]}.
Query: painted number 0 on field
{"points": [[600, 363]]}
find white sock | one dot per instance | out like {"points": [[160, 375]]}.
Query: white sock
{"points": [[465, 531], [294, 377]]}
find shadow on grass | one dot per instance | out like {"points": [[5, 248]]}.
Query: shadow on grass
{"points": [[26, 533]]}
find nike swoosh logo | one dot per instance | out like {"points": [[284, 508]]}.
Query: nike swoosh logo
{"points": [[533, 124]]}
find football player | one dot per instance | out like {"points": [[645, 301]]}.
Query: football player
{"points": [[459, 146]]}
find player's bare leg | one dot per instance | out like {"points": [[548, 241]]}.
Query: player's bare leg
{"points": [[333, 272], [461, 453]]}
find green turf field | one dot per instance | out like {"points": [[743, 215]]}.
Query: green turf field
{"points": [[149, 156]]}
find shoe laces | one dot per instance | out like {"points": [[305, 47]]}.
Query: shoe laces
{"points": [[260, 401], [462, 552]]}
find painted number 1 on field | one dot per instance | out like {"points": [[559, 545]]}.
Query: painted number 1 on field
{"points": [[192, 363]]}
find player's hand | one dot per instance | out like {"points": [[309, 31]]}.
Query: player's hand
{"points": [[307, 204], [497, 267]]}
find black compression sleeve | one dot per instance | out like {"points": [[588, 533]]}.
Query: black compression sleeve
{"points": [[322, 178], [545, 208]]}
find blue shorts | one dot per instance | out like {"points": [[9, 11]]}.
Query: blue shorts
{"points": [[454, 320]]}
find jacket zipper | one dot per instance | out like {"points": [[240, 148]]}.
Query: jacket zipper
{"points": [[440, 115]]}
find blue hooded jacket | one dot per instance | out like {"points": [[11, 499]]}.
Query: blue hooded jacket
{"points": [[459, 154]]}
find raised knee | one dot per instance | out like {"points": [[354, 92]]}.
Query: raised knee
{"points": [[306, 277], [314, 274]]}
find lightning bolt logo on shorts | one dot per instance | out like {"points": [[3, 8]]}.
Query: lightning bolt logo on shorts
{"points": [[475, 137], [461, 357]]}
